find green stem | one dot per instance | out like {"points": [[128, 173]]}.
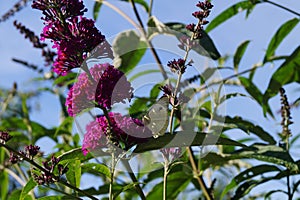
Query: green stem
{"points": [[113, 165], [166, 171], [198, 175], [150, 8], [283, 7], [134, 179]]}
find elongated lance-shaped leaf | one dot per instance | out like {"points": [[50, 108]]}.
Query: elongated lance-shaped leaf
{"points": [[248, 174], [96, 9], [256, 94], [288, 72], [279, 36], [185, 139], [239, 54], [230, 12]]}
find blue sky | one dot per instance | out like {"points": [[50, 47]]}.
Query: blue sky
{"points": [[258, 28]]}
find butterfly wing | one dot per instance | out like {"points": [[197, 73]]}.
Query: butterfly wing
{"points": [[157, 118]]}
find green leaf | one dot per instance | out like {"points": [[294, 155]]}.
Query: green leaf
{"points": [[230, 96], [74, 154], [74, 173], [204, 46], [184, 139], [268, 153], [248, 174], [239, 54], [96, 9], [239, 122], [4, 179], [230, 12], [129, 50], [65, 80], [176, 183], [280, 34], [96, 169], [287, 73], [143, 3], [14, 195], [51, 198], [30, 185], [142, 73], [38, 130], [255, 94]]}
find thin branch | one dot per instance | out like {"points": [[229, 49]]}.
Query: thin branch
{"points": [[152, 49], [198, 176], [283, 7], [134, 179]]}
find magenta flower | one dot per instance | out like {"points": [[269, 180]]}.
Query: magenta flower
{"points": [[73, 35], [124, 133], [55, 9], [107, 87], [94, 138], [171, 154]]}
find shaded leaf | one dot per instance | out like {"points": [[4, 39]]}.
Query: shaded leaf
{"points": [[287, 73], [177, 182], [184, 139], [248, 174], [128, 50], [276, 40], [231, 95], [256, 94], [239, 54], [268, 153], [204, 46], [239, 122], [230, 12]]}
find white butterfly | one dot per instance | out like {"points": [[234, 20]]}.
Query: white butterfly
{"points": [[157, 118]]}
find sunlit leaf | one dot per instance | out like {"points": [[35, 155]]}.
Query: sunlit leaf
{"points": [[30, 185], [279, 36], [96, 9], [230, 12], [95, 168], [287, 73], [239, 54], [128, 50]]}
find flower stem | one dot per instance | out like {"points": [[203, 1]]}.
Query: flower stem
{"points": [[283, 7], [166, 171]]}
